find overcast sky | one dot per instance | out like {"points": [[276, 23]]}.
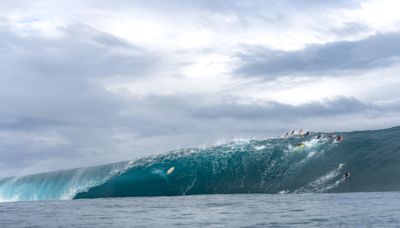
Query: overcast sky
{"points": [[91, 82]]}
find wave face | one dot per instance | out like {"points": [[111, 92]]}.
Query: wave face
{"points": [[284, 165]]}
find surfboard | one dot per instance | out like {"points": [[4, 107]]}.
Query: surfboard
{"points": [[301, 146], [170, 170]]}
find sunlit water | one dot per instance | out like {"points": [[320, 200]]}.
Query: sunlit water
{"points": [[241, 210]]}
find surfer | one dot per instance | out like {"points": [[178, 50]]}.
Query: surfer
{"points": [[307, 134], [318, 136], [292, 133], [339, 138], [346, 175]]}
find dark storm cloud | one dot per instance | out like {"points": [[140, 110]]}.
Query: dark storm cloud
{"points": [[374, 52]]}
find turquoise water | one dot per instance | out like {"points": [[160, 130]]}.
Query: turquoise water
{"points": [[283, 165], [233, 210]]}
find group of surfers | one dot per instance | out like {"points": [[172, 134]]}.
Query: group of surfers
{"points": [[337, 138]]}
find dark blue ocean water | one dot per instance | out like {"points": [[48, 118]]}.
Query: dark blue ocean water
{"points": [[234, 210]]}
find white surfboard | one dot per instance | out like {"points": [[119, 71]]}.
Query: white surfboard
{"points": [[170, 170]]}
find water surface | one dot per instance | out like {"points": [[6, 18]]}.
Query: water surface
{"points": [[233, 210]]}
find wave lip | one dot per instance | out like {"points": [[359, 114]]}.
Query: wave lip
{"points": [[61, 185]]}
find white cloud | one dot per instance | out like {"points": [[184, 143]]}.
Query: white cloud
{"points": [[92, 82], [381, 15]]}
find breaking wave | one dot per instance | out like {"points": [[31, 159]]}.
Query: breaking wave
{"points": [[298, 164]]}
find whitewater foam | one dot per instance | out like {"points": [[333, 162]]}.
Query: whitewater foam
{"points": [[320, 184]]}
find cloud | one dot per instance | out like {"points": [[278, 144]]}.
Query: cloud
{"points": [[177, 23], [334, 58], [283, 112], [82, 52], [349, 29], [264, 111], [140, 126], [229, 5], [85, 83], [51, 90], [48, 79]]}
